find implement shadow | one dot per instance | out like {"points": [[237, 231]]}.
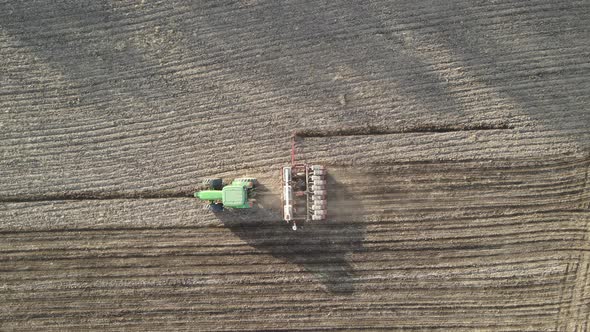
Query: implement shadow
{"points": [[322, 248]]}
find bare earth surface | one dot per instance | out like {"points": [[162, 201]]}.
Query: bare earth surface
{"points": [[457, 135]]}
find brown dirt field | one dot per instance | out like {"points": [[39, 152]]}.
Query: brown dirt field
{"points": [[457, 136]]}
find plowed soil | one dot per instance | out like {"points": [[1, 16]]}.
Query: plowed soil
{"points": [[456, 135]]}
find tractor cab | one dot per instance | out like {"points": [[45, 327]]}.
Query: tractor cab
{"points": [[237, 195]]}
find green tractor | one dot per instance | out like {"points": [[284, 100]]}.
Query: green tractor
{"points": [[239, 194]]}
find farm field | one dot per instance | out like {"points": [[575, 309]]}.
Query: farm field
{"points": [[456, 135]]}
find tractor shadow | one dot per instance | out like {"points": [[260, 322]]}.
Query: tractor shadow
{"points": [[322, 249]]}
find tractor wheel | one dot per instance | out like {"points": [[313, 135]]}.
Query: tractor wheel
{"points": [[254, 183], [216, 207], [215, 184]]}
